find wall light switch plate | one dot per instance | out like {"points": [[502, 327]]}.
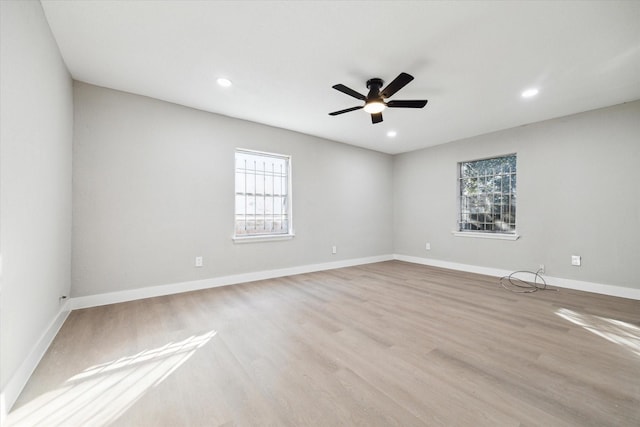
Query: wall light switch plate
{"points": [[576, 260]]}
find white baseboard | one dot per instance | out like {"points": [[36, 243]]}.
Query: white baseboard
{"points": [[19, 379], [599, 288], [452, 265], [175, 288]]}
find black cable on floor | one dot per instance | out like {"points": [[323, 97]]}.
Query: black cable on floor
{"points": [[518, 285]]}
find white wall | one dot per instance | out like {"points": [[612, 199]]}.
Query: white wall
{"points": [[154, 187], [578, 193], [36, 113]]}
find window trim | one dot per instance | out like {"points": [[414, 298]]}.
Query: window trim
{"points": [[486, 235], [265, 237], [496, 235], [262, 237]]}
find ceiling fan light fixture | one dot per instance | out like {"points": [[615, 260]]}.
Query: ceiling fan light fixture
{"points": [[374, 107], [374, 102]]}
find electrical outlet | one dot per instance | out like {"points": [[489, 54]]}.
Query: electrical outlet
{"points": [[576, 260], [541, 268], [427, 246], [334, 249], [199, 262]]}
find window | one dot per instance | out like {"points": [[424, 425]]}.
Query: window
{"points": [[488, 196], [263, 194]]}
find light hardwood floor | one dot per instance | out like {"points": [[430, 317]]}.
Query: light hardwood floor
{"points": [[386, 344]]}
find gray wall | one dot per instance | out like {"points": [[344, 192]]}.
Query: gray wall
{"points": [[153, 187], [578, 193], [36, 113]]}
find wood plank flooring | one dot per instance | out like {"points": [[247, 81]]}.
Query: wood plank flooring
{"points": [[385, 344]]}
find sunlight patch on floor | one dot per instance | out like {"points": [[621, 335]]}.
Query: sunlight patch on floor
{"points": [[100, 394], [622, 333]]}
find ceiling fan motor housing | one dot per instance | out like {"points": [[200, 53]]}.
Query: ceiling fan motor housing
{"points": [[374, 85]]}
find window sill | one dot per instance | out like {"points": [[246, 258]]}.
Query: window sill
{"points": [[496, 236], [263, 238]]}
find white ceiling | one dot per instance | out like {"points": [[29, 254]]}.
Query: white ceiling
{"points": [[471, 60]]}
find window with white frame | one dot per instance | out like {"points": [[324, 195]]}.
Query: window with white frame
{"points": [[487, 195], [263, 194]]}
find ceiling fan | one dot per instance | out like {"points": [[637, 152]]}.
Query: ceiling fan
{"points": [[374, 102]]}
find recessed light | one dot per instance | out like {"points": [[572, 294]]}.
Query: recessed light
{"points": [[224, 82], [392, 133], [530, 93]]}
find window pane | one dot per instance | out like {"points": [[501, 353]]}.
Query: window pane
{"points": [[262, 193], [487, 195]]}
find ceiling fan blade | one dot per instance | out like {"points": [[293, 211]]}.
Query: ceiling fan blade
{"points": [[397, 84], [335, 113], [407, 104], [342, 88], [376, 118]]}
